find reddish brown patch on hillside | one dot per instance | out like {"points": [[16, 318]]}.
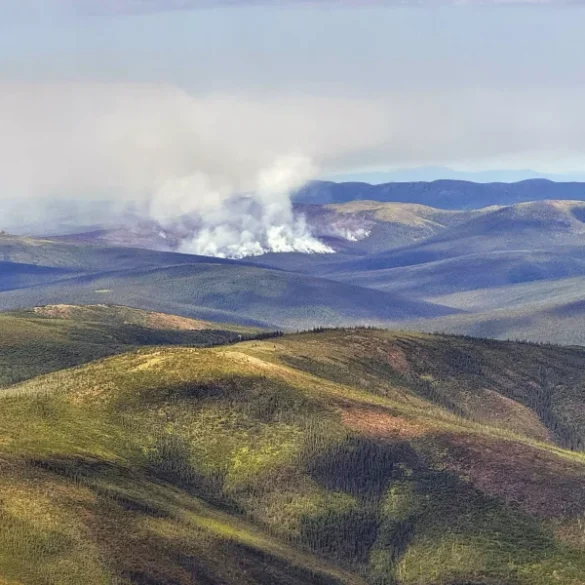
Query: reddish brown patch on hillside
{"points": [[490, 407], [126, 315], [162, 321], [379, 424], [398, 361], [537, 481]]}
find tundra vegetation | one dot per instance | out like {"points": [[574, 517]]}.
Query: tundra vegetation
{"points": [[355, 456]]}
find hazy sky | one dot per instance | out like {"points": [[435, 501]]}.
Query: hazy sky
{"points": [[352, 86], [284, 46]]}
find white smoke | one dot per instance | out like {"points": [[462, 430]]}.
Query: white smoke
{"points": [[234, 226], [354, 235], [220, 168]]}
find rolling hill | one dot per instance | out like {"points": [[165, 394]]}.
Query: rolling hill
{"points": [[361, 226], [14, 275], [337, 457], [550, 311], [516, 272], [83, 257], [538, 292], [193, 286], [497, 272], [48, 338], [395, 263], [372, 227], [540, 226]]}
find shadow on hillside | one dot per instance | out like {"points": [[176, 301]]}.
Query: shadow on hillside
{"points": [[262, 398], [365, 469], [105, 479], [360, 466], [139, 530], [399, 498], [209, 568], [172, 468], [267, 569]]}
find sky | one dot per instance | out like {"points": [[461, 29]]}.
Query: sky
{"points": [[129, 96]]}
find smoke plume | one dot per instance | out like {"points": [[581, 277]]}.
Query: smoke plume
{"points": [[236, 226], [211, 168], [219, 169]]}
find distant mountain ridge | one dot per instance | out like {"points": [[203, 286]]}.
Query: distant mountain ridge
{"points": [[443, 194]]}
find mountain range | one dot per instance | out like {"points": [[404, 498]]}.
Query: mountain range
{"points": [[442, 193]]}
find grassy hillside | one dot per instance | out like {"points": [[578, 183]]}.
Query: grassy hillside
{"points": [[49, 338], [357, 457]]}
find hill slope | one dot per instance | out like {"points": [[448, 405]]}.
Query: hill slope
{"points": [[397, 263], [541, 226], [49, 338], [490, 271], [561, 320], [539, 311], [337, 457], [229, 292], [373, 227], [530, 293], [365, 226], [84, 258]]}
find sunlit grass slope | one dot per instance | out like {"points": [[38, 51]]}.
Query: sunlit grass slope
{"points": [[52, 337], [332, 457]]}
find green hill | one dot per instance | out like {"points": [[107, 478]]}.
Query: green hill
{"points": [[358, 457], [49, 338]]}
